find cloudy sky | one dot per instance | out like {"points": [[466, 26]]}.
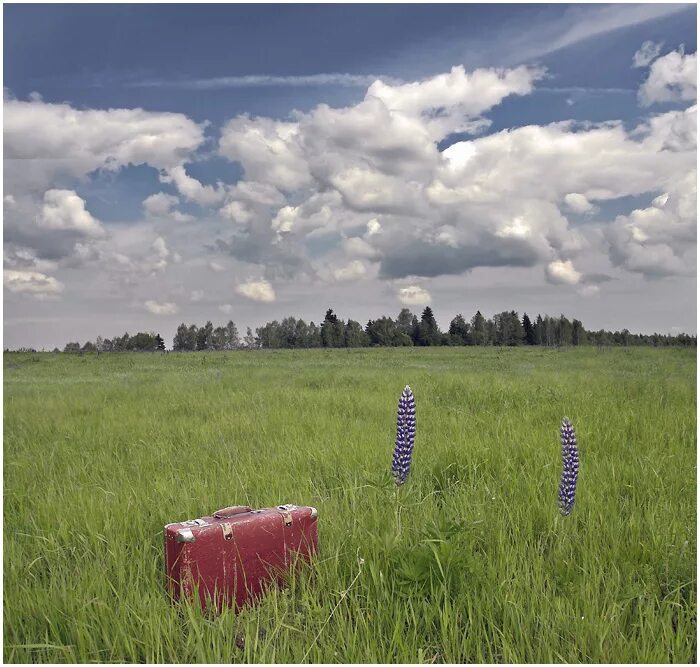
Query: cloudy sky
{"points": [[172, 163]]}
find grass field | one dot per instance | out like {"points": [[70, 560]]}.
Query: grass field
{"points": [[101, 452]]}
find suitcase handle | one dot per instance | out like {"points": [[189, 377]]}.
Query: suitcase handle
{"points": [[228, 512]]}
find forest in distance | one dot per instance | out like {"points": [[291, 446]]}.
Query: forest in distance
{"points": [[503, 329]]}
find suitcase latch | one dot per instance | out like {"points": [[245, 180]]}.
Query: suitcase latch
{"points": [[227, 530], [285, 510]]}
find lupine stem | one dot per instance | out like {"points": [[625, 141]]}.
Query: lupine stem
{"points": [[398, 509]]}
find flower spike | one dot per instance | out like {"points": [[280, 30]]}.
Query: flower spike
{"points": [[569, 474], [405, 436]]}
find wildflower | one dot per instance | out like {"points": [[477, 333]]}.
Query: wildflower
{"points": [[405, 435], [569, 474]]}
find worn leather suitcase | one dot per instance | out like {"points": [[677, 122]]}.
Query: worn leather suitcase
{"points": [[229, 558]]}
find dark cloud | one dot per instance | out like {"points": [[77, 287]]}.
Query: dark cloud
{"points": [[418, 258]]}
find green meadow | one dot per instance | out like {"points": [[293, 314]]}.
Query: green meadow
{"points": [[469, 562]]}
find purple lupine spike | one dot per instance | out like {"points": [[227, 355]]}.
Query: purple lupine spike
{"points": [[569, 473], [405, 436]]}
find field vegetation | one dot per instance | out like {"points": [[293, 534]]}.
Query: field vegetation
{"points": [[471, 562]]}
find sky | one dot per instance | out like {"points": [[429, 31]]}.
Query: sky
{"points": [[185, 163]]}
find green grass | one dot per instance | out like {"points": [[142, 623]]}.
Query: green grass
{"points": [[101, 452]]}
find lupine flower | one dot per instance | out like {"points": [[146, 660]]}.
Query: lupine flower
{"points": [[569, 473], [405, 435]]}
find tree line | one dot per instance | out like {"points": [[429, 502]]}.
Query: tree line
{"points": [[503, 329], [140, 342]]}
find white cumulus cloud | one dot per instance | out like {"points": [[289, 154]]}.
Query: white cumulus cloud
{"points": [[373, 227], [659, 240], [562, 272], [268, 150], [159, 204], [190, 188], [499, 200], [257, 290], [65, 210], [487, 201], [672, 78], [414, 295], [162, 205], [352, 271], [454, 102], [46, 141], [158, 308], [31, 282], [237, 211], [578, 203]]}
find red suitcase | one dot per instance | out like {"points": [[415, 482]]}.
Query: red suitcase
{"points": [[230, 558]]}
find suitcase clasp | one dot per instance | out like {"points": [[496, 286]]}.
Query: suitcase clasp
{"points": [[227, 530], [286, 511]]}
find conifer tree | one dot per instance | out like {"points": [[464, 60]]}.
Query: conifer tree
{"points": [[528, 330], [332, 330], [428, 332]]}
